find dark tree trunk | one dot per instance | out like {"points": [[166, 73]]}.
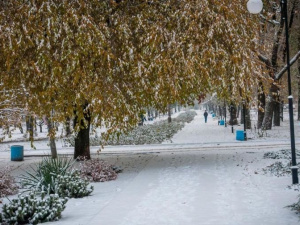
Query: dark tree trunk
{"points": [[277, 113], [51, 138], [261, 105], [242, 114], [248, 118], [169, 114], [273, 91], [82, 139], [41, 128], [20, 128], [232, 112], [29, 126], [68, 126], [270, 104], [220, 112]]}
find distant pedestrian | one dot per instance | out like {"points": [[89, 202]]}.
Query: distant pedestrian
{"points": [[205, 116]]}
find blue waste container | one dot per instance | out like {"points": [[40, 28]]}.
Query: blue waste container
{"points": [[17, 152], [240, 135], [213, 115], [222, 122]]}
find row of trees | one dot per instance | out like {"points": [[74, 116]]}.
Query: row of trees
{"points": [[103, 62], [272, 53], [271, 94]]}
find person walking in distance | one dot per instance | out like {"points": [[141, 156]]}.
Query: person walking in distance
{"points": [[205, 116]]}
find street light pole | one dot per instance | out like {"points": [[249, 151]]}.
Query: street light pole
{"points": [[291, 113], [244, 118], [255, 6]]}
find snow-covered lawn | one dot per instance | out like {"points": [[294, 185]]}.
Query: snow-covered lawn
{"points": [[205, 177]]}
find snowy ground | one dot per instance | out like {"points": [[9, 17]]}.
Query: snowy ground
{"points": [[203, 177]]}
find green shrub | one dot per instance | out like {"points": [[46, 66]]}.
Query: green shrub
{"points": [[33, 209], [42, 176], [72, 185]]}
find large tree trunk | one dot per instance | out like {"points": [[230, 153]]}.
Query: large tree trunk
{"points": [[261, 106], [248, 118], [82, 139], [29, 127], [169, 114], [51, 138], [277, 110], [273, 66], [233, 112], [242, 114], [68, 126], [270, 104]]}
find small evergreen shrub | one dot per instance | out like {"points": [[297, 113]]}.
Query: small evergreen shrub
{"points": [[7, 183], [42, 176], [72, 185], [98, 171], [33, 209]]}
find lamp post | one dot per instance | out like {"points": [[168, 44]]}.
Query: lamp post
{"points": [[254, 7], [244, 118]]}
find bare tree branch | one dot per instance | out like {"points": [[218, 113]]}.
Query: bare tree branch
{"points": [[282, 71]]}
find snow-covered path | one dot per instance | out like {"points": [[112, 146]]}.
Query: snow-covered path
{"points": [[200, 132], [201, 187]]}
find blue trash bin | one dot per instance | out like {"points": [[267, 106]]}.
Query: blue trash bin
{"points": [[17, 152], [222, 122], [240, 135]]}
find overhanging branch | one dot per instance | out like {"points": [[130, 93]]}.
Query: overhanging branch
{"points": [[282, 71]]}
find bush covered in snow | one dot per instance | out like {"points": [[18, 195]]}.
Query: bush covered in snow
{"points": [[278, 169], [282, 167], [7, 183], [56, 176], [43, 175], [282, 154], [98, 171], [33, 209], [295, 206], [148, 134], [72, 185]]}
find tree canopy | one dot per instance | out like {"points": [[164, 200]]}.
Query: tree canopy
{"points": [[111, 58]]}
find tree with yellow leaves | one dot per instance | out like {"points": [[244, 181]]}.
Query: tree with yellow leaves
{"points": [[102, 62]]}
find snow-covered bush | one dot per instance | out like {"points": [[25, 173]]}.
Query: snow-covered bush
{"points": [[33, 209], [56, 176], [282, 154], [42, 176], [295, 206], [278, 169], [282, 167], [98, 171], [7, 183], [148, 134], [72, 185], [186, 117]]}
